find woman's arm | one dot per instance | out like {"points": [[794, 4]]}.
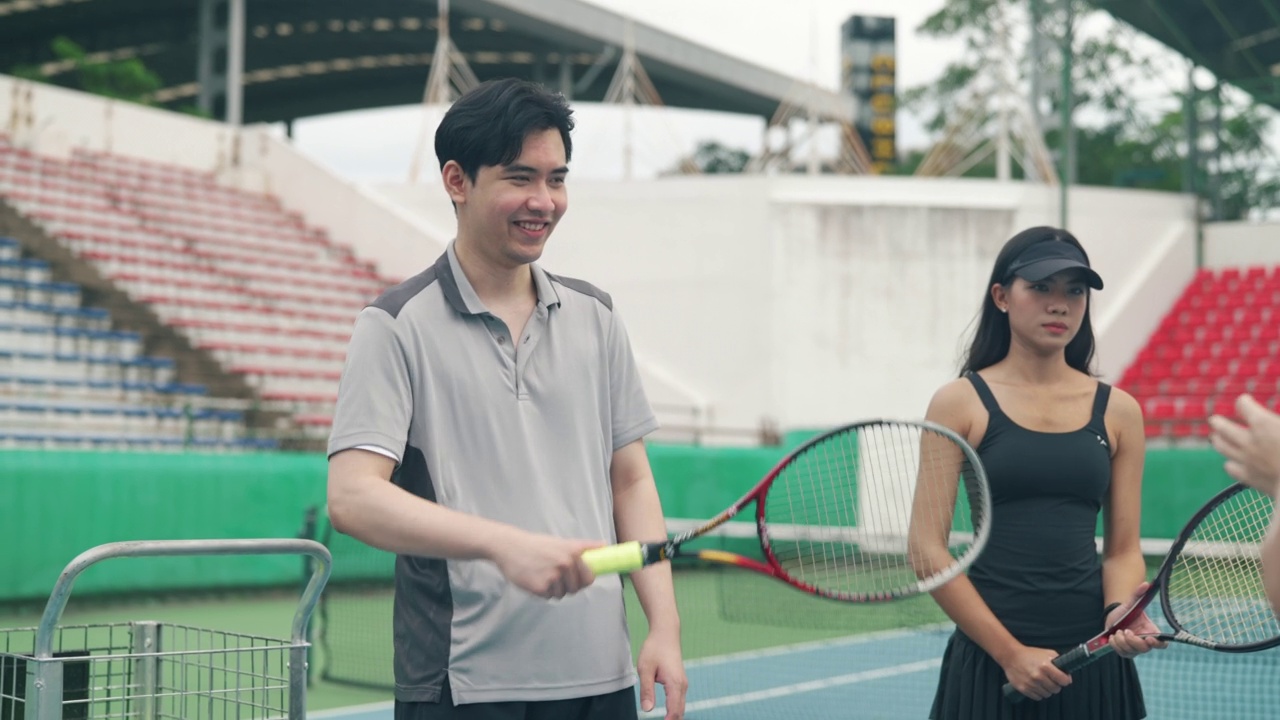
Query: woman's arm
{"points": [[1123, 567], [1029, 669]]}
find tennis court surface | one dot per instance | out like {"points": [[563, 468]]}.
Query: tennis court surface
{"points": [[890, 676], [756, 649]]}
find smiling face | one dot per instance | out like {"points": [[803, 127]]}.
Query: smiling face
{"points": [[1044, 315], [507, 213]]}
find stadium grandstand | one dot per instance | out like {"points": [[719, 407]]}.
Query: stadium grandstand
{"points": [[178, 283]]}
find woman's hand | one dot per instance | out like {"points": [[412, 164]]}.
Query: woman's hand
{"points": [[1031, 671], [1134, 640]]}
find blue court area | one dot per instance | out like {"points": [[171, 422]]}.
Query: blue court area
{"points": [[891, 676], [892, 667]]}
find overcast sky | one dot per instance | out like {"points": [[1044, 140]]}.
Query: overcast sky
{"points": [[798, 38]]}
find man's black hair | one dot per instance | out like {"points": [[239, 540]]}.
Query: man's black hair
{"points": [[488, 125]]}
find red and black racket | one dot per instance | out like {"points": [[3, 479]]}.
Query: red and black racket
{"points": [[1210, 585], [868, 512]]}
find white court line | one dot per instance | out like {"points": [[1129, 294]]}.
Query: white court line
{"points": [[818, 644], [797, 688], [353, 710]]}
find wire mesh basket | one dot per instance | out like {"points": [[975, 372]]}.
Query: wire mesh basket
{"points": [[152, 670]]}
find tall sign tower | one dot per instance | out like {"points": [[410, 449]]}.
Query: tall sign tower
{"points": [[868, 62]]}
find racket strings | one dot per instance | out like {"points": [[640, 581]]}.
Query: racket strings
{"points": [[1215, 590], [875, 510]]}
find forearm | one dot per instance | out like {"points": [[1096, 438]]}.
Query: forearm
{"points": [[960, 600], [1122, 573], [378, 513], [637, 515]]}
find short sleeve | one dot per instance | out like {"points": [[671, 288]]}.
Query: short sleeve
{"points": [[633, 418], [375, 397]]}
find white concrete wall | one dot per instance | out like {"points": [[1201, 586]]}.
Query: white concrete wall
{"points": [[400, 242], [813, 300], [1235, 244], [1143, 245], [688, 262], [53, 121], [806, 300]]}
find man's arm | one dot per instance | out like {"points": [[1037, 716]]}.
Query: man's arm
{"points": [[365, 504], [637, 515]]}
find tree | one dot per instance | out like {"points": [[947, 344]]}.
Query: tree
{"points": [[127, 79], [711, 157], [1122, 139]]}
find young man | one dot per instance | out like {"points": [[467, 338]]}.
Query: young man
{"points": [[489, 430], [1252, 450]]}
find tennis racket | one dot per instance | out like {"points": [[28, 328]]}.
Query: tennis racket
{"points": [[867, 512], [1210, 585]]}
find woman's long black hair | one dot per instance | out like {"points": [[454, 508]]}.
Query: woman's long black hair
{"points": [[992, 339]]}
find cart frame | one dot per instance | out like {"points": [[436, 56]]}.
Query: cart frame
{"points": [[150, 670]]}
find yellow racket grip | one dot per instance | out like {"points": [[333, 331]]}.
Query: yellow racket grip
{"points": [[621, 558]]}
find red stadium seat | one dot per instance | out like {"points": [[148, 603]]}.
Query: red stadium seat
{"points": [[1156, 409], [1231, 387], [1247, 367], [1224, 407]]}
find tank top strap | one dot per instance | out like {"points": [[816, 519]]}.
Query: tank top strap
{"points": [[1100, 399], [984, 392]]}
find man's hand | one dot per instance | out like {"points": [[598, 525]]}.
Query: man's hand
{"points": [[1252, 450], [661, 661], [543, 565]]}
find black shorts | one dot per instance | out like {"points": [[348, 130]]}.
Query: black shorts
{"points": [[620, 705]]}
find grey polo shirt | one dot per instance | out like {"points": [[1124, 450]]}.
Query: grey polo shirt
{"points": [[524, 435]]}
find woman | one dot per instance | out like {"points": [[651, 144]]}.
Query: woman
{"points": [[1059, 447]]}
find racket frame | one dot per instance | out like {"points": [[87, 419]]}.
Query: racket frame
{"points": [[1100, 645], [672, 549]]}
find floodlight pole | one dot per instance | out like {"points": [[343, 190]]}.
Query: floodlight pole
{"points": [[235, 63], [1067, 149], [1037, 16]]}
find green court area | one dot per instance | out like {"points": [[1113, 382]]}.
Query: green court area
{"points": [[723, 610], [266, 614]]}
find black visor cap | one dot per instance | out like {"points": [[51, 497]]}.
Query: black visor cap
{"points": [[1047, 258]]}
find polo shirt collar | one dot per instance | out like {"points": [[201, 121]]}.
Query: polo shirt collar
{"points": [[462, 296]]}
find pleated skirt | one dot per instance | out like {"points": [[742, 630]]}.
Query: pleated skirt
{"points": [[970, 688]]}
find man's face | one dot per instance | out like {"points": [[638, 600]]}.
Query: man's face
{"points": [[508, 213]]}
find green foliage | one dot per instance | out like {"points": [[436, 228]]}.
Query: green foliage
{"points": [[128, 79], [712, 158], [1122, 140]]}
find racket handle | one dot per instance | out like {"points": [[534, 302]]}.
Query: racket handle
{"points": [[1068, 663], [620, 558]]}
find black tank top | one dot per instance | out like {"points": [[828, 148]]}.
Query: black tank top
{"points": [[1040, 573]]}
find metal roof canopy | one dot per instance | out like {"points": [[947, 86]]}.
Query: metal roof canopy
{"points": [[1236, 40], [314, 57]]}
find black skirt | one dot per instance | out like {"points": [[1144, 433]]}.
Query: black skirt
{"points": [[970, 688]]}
